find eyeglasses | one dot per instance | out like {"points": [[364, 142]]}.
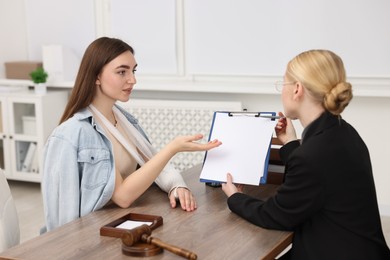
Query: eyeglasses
{"points": [[280, 84]]}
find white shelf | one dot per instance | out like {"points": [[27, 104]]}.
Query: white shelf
{"points": [[25, 82], [26, 121], [15, 82]]}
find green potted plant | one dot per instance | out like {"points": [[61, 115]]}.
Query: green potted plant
{"points": [[39, 77]]}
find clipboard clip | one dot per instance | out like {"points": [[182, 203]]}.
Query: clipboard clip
{"points": [[255, 114]]}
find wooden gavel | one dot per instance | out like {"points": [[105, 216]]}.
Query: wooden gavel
{"points": [[142, 234]]}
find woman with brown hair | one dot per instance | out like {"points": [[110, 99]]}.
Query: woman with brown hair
{"points": [[99, 153]]}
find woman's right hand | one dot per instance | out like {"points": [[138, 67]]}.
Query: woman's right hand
{"points": [[285, 130], [229, 187], [189, 144]]}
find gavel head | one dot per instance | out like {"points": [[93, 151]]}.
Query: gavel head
{"points": [[132, 236]]}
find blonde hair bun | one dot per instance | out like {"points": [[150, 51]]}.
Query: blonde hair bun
{"points": [[338, 98]]}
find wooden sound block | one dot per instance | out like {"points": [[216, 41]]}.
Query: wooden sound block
{"points": [[111, 229], [141, 249]]}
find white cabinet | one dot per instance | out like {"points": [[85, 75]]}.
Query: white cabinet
{"points": [[26, 121]]}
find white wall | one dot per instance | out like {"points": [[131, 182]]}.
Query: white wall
{"points": [[224, 49], [13, 32]]}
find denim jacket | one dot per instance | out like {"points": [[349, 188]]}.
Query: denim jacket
{"points": [[78, 169]]}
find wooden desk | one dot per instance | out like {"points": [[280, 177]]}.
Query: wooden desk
{"points": [[212, 231]]}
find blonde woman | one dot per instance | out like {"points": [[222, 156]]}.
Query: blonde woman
{"points": [[328, 196]]}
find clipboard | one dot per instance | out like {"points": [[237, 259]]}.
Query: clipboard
{"points": [[245, 150]]}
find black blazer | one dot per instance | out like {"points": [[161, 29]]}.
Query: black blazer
{"points": [[328, 197]]}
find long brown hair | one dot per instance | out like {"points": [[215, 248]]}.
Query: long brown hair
{"points": [[97, 55]]}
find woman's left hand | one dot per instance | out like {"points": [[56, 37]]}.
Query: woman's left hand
{"points": [[185, 197], [189, 144]]}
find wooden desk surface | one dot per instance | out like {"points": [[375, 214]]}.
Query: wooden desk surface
{"points": [[212, 231]]}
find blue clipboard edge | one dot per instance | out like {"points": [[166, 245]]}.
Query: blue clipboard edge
{"points": [[263, 179]]}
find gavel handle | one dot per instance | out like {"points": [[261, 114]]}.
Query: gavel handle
{"points": [[174, 249]]}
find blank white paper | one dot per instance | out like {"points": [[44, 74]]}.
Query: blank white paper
{"points": [[245, 145]]}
